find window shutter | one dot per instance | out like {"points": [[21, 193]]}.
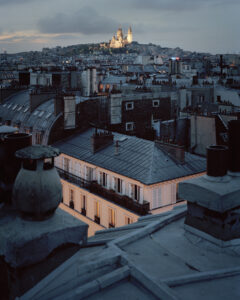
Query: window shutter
{"points": [[108, 181], [141, 195], [94, 174], [99, 177], [123, 188], [130, 190], [113, 183], [159, 197]]}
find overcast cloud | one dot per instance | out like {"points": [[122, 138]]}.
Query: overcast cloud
{"points": [[197, 25], [85, 21]]}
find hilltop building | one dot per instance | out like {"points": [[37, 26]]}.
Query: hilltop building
{"points": [[120, 41]]}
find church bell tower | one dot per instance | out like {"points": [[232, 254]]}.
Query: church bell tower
{"points": [[129, 35]]}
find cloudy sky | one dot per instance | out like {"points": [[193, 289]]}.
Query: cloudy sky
{"points": [[196, 25]]}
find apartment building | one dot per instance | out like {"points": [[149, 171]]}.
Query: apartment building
{"points": [[111, 179]]}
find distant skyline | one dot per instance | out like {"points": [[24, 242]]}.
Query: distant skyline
{"points": [[195, 25]]}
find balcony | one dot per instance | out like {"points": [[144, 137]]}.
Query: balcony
{"points": [[95, 188], [122, 200], [73, 178]]}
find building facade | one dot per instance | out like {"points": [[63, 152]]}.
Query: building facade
{"points": [[116, 183]]}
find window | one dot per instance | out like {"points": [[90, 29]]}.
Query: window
{"points": [[97, 212], [71, 202], [39, 137], [66, 163], [128, 220], [112, 217], [155, 103], [201, 99], [103, 179], [118, 185], [83, 205], [89, 173], [129, 105], [129, 126], [135, 192]]}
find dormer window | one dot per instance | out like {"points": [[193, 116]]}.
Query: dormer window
{"points": [[129, 105]]}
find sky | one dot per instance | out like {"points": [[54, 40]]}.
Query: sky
{"points": [[195, 25]]}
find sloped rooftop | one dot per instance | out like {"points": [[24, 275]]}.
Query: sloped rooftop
{"points": [[137, 158]]}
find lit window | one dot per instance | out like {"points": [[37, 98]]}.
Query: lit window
{"points": [[97, 212], [128, 220], [97, 209], [71, 200], [83, 205], [112, 217]]}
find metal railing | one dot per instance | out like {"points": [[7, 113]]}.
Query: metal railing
{"points": [[95, 188]]}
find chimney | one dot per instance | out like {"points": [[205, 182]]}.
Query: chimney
{"points": [[37, 236], [213, 200], [117, 148], [176, 152], [37, 201], [101, 140]]}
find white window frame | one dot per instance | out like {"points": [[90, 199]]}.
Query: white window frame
{"points": [[155, 103], [131, 104], [130, 124], [104, 179], [118, 185]]}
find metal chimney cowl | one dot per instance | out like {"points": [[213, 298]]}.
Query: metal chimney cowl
{"points": [[37, 190]]}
